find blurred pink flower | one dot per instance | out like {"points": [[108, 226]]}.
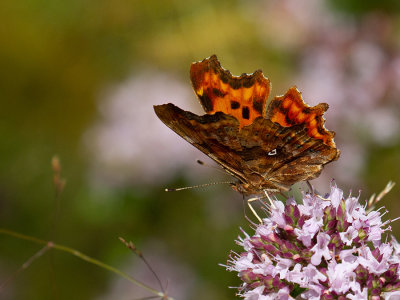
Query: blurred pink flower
{"points": [[128, 144], [351, 64]]}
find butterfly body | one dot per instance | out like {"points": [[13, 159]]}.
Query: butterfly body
{"points": [[265, 149]]}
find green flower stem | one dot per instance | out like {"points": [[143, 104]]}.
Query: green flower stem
{"points": [[85, 258]]}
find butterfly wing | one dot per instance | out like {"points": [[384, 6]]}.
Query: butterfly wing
{"points": [[215, 135], [262, 156], [265, 149], [281, 155], [243, 97], [302, 145]]}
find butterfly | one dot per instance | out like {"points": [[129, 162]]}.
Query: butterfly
{"points": [[266, 148]]}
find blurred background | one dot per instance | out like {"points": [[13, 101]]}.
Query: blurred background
{"points": [[79, 79]]}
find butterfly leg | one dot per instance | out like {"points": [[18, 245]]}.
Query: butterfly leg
{"points": [[269, 199], [252, 209], [259, 199], [310, 187], [322, 198]]}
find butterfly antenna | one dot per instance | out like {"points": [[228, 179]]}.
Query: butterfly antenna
{"points": [[202, 163], [197, 186]]}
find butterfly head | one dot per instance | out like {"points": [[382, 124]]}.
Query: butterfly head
{"points": [[240, 187]]}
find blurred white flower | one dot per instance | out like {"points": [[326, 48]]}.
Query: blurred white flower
{"points": [[128, 144]]}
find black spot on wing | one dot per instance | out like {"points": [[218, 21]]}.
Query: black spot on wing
{"points": [[235, 83], [248, 82], [206, 102], [246, 112], [258, 106], [235, 104], [224, 76], [218, 93], [289, 121]]}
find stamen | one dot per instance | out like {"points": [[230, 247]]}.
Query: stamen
{"points": [[395, 219]]}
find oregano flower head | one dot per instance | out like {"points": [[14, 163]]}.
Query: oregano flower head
{"points": [[323, 248]]}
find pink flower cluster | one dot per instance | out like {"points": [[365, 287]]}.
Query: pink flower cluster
{"points": [[324, 248]]}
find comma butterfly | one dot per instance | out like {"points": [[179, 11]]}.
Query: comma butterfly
{"points": [[264, 148]]}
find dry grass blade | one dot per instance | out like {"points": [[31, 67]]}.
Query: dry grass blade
{"points": [[135, 250], [373, 200]]}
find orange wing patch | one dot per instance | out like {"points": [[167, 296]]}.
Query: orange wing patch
{"points": [[272, 149], [290, 110], [243, 97]]}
